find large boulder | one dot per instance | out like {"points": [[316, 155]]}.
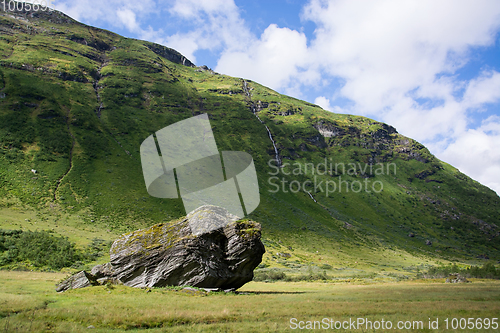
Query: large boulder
{"points": [[168, 254]]}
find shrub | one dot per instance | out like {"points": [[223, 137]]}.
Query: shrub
{"points": [[309, 276], [97, 248], [269, 275], [39, 249], [487, 271], [275, 274]]}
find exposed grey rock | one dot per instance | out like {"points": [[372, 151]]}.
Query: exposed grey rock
{"points": [[347, 225], [194, 292], [101, 271], [168, 254], [457, 279], [208, 218], [329, 130], [108, 280], [205, 68], [79, 280], [169, 54]]}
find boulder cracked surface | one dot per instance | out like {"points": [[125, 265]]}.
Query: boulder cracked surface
{"points": [[168, 254]]}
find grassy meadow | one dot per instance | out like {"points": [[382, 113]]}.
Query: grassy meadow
{"points": [[29, 303]]}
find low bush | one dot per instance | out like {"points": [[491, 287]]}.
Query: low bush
{"points": [[269, 275], [487, 271], [275, 274], [42, 250], [309, 276]]}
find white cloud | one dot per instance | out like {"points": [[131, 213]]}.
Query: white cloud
{"points": [[323, 102], [383, 49], [193, 9], [128, 19], [216, 25], [476, 153], [484, 89], [274, 60], [114, 12]]}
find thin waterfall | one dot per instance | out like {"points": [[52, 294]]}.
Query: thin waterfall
{"points": [[254, 111], [310, 195]]}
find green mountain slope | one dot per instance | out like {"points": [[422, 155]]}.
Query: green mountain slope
{"points": [[76, 102]]}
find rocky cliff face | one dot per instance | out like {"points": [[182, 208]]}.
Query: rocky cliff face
{"points": [[170, 255]]}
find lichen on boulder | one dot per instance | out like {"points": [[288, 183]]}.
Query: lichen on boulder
{"points": [[169, 254]]}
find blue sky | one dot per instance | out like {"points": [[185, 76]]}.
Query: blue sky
{"points": [[429, 68]]}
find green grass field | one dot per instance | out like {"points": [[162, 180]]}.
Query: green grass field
{"points": [[28, 303]]}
